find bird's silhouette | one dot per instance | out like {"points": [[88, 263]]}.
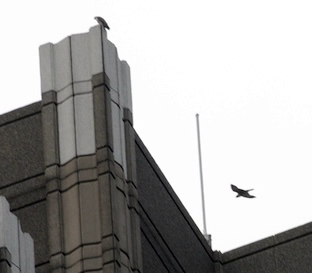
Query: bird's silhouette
{"points": [[243, 193], [101, 22]]}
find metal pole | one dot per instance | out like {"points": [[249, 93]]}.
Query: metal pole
{"points": [[201, 176]]}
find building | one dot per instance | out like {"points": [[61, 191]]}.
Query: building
{"points": [[16, 247], [84, 186]]}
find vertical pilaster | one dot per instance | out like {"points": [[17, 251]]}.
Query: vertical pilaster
{"points": [[52, 174], [135, 242]]}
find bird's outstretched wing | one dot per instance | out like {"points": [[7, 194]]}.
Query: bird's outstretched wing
{"points": [[101, 21], [234, 188], [247, 195], [243, 193]]}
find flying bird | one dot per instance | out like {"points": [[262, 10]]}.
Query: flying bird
{"points": [[243, 193], [101, 22]]}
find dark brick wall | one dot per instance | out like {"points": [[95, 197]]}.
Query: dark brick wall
{"points": [[286, 252], [21, 153], [170, 239], [22, 175]]}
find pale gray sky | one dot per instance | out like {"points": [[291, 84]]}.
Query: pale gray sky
{"points": [[244, 66]]}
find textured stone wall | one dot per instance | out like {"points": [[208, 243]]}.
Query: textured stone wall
{"points": [[286, 252], [171, 241], [22, 179]]}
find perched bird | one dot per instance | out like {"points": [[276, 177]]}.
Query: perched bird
{"points": [[243, 193], [101, 22]]}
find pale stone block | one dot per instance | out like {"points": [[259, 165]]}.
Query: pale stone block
{"points": [[123, 144], [125, 85], [97, 65], [121, 98], [106, 209], [119, 137], [84, 120], [82, 87], [23, 250], [90, 213], [27, 253], [4, 225], [15, 269], [71, 214], [62, 64], [46, 67], [81, 62], [111, 267], [54, 221], [78, 267], [91, 251], [114, 96], [64, 94], [49, 130], [116, 119], [30, 253], [13, 238], [92, 265], [121, 219], [110, 62], [129, 238], [73, 257], [67, 141]]}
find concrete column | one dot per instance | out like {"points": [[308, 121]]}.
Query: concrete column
{"points": [[91, 183]]}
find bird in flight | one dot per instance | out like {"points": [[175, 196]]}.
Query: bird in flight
{"points": [[243, 193], [101, 22]]}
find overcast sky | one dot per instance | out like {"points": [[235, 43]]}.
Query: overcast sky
{"points": [[244, 66]]}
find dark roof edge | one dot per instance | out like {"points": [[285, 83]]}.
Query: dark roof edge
{"points": [[174, 197], [20, 113], [267, 243]]}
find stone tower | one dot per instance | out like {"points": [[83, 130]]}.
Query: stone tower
{"points": [[88, 144]]}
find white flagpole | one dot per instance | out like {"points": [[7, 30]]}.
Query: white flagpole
{"points": [[201, 178]]}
